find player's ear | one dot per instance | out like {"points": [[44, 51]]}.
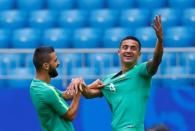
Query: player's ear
{"points": [[45, 66]]}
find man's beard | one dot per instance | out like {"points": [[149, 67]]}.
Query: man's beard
{"points": [[52, 72]]}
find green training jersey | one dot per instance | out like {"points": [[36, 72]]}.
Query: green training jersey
{"points": [[50, 106], [127, 95]]}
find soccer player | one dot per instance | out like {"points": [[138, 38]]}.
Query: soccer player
{"points": [[54, 113], [127, 91]]}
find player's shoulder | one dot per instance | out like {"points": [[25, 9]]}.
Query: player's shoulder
{"points": [[140, 65]]}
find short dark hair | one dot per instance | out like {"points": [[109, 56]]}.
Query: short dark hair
{"points": [[132, 38], [42, 55]]}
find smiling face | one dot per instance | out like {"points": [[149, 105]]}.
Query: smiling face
{"points": [[129, 52]]}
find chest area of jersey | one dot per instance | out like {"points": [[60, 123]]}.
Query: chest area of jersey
{"points": [[122, 86]]}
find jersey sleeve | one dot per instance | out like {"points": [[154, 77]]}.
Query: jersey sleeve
{"points": [[54, 99], [142, 69]]}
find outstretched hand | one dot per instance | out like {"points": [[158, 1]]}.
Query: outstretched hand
{"points": [[157, 25]]}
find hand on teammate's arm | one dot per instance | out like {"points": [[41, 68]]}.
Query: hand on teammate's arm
{"points": [[92, 90], [73, 88], [152, 65]]}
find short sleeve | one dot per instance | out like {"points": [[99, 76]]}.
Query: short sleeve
{"points": [[142, 69], [54, 99]]}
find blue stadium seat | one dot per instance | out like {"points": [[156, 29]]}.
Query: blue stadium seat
{"points": [[120, 4], [103, 18], [113, 36], [178, 37], [147, 36], [188, 17], [170, 16], [5, 36], [6, 4], [151, 4], [188, 60], [13, 19], [180, 4], [169, 59], [10, 60], [87, 38], [69, 61], [30, 5], [89, 74], [175, 79], [133, 18], [20, 77], [60, 5], [26, 38], [57, 37], [42, 19], [73, 19], [28, 61], [110, 70], [90, 4], [2, 75], [100, 61]]}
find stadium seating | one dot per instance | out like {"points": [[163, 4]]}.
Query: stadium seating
{"points": [[5, 36], [178, 37], [69, 61], [26, 38], [87, 38], [6, 5], [30, 5], [57, 37], [42, 19], [28, 60], [110, 70], [13, 19], [73, 19], [120, 4], [188, 17], [100, 61], [170, 16], [175, 78], [90, 4], [147, 36], [189, 61], [103, 18], [181, 4], [113, 36], [60, 5], [89, 74], [17, 77], [9, 61], [133, 18], [151, 4]]}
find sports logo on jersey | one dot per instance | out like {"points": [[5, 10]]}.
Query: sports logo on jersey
{"points": [[112, 87]]}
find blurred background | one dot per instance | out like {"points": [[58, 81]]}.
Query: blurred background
{"points": [[86, 35]]}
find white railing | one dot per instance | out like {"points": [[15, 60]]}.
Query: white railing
{"points": [[109, 50]]}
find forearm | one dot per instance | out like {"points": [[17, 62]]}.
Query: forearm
{"points": [[71, 113], [91, 93], [158, 52]]}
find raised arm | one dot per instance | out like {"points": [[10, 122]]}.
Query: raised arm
{"points": [[152, 65]]}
